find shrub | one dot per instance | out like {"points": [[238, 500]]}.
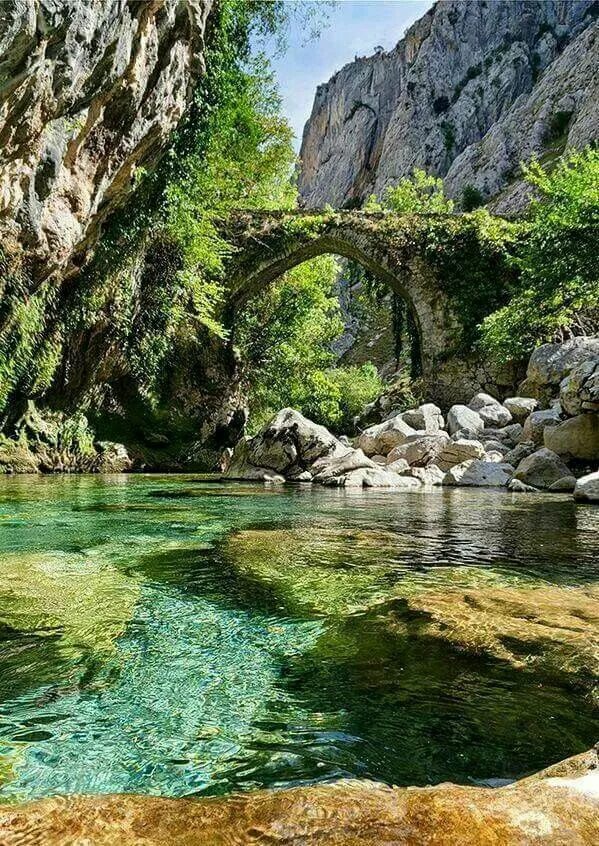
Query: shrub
{"points": [[472, 198], [448, 135], [419, 193]]}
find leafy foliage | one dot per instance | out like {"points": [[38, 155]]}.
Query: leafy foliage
{"points": [[286, 336], [157, 272], [420, 193], [558, 290], [472, 198]]}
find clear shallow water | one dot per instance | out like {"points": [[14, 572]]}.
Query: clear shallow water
{"points": [[171, 636]]}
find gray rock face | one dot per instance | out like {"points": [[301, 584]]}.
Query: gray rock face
{"points": [[541, 469], [471, 90], [91, 91], [579, 392], [550, 364], [288, 444], [479, 473], [587, 488], [519, 452]]}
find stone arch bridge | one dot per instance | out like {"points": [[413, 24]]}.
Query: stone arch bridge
{"points": [[406, 252]]}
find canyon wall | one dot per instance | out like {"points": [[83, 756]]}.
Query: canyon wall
{"points": [[90, 92], [471, 90]]}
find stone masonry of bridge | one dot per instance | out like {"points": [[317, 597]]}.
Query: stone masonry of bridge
{"points": [[397, 249]]}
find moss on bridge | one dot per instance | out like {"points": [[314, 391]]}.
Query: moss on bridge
{"points": [[469, 255]]}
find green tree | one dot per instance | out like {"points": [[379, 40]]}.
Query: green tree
{"points": [[558, 290], [286, 335]]}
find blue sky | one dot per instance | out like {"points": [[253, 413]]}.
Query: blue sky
{"points": [[355, 27]]}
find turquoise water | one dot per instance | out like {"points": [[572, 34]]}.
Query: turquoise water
{"points": [[174, 636]]}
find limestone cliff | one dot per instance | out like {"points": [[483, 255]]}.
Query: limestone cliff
{"points": [[90, 90], [472, 89]]}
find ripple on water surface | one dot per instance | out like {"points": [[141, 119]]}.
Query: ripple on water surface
{"points": [[165, 635]]}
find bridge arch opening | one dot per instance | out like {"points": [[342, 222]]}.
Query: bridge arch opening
{"points": [[275, 266]]}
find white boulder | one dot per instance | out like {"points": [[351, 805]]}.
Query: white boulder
{"points": [[462, 417], [521, 407], [419, 451], [490, 410], [587, 488], [427, 417], [381, 439]]}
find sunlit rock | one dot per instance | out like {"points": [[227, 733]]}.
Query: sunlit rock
{"points": [[456, 452], [419, 451], [579, 392], [550, 627], [462, 417], [557, 805], [587, 488], [521, 407], [427, 417], [480, 473], [551, 363], [382, 438], [577, 437]]}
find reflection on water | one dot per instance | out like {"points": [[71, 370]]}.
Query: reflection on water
{"points": [[167, 635]]}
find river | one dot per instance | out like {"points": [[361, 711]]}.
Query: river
{"points": [[172, 635]]}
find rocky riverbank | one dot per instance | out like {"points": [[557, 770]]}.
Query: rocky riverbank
{"points": [[558, 806], [547, 440]]}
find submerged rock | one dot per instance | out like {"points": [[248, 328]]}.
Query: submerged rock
{"points": [[559, 805], [552, 627]]}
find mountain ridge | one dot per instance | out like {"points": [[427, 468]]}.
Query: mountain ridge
{"points": [[470, 90]]}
